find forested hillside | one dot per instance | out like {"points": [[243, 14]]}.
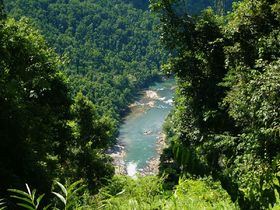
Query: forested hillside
{"points": [[142, 4], [108, 50], [226, 120], [194, 7], [61, 112], [45, 134], [112, 47], [70, 68]]}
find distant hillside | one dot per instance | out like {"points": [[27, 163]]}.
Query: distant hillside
{"points": [[141, 4], [195, 6], [111, 46]]}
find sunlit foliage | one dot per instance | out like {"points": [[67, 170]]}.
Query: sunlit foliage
{"points": [[226, 121]]}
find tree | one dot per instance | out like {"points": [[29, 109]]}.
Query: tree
{"points": [[227, 109], [34, 108], [44, 133], [2, 13], [116, 40], [92, 136]]}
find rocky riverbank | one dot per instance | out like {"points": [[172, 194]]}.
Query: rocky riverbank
{"points": [[117, 152], [153, 164], [141, 140]]}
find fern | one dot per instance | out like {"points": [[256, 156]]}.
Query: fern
{"points": [[68, 194], [27, 199], [2, 204]]}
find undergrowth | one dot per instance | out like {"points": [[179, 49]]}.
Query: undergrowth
{"points": [[125, 193]]}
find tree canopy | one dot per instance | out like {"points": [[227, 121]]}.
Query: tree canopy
{"points": [[111, 48], [43, 130], [226, 120], [60, 108]]}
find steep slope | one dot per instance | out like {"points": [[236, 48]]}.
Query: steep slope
{"points": [[112, 47], [226, 121]]}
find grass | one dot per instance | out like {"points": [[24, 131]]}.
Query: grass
{"points": [[126, 193], [147, 193]]}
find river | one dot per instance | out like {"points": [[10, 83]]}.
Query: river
{"points": [[141, 132]]}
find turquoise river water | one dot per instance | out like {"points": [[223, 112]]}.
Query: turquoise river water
{"points": [[142, 128]]}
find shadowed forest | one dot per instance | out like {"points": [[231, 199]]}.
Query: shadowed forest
{"points": [[69, 69]]}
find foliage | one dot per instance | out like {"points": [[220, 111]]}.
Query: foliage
{"points": [[148, 193], [126, 193], [92, 135], [34, 107], [112, 47], [142, 4], [69, 196], [2, 13], [140, 193], [28, 200], [226, 120], [44, 133], [201, 194], [2, 204], [62, 132], [194, 7]]}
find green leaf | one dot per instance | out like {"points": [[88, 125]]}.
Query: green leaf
{"points": [[60, 197], [28, 189], [46, 207], [33, 195], [39, 200], [19, 192], [26, 206], [77, 190], [62, 188], [276, 182], [23, 199], [121, 192], [72, 187], [266, 186], [2, 204], [2, 200]]}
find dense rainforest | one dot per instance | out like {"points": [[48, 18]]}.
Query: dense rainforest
{"points": [[226, 120], [70, 68], [61, 107], [110, 48], [44, 132]]}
